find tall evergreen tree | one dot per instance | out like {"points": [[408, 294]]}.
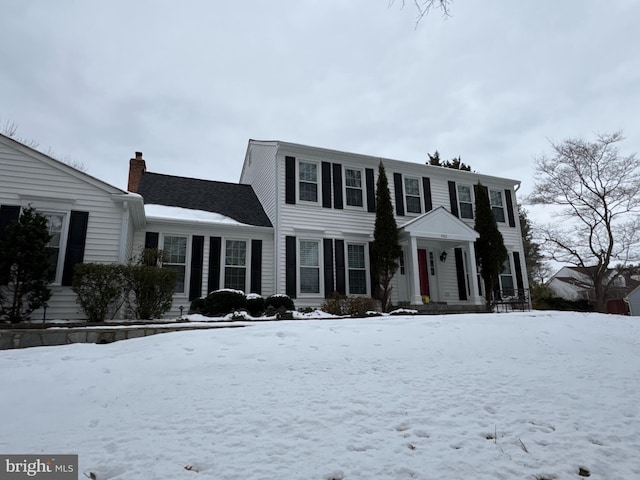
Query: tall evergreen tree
{"points": [[490, 250], [25, 268], [385, 250]]}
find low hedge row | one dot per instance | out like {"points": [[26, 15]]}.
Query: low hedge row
{"points": [[222, 302]]}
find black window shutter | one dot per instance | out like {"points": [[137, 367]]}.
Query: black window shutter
{"points": [[326, 184], [462, 282], [291, 267], [453, 199], [371, 189], [518, 266], [256, 266], [509, 202], [75, 244], [337, 186], [426, 186], [195, 278], [372, 276], [329, 286], [8, 215], [397, 186], [151, 240], [215, 247], [341, 286], [290, 180]]}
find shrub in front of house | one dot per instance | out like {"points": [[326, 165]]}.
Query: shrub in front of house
{"points": [[220, 302], [151, 291], [334, 305], [101, 289], [255, 304], [354, 306], [197, 306], [279, 300]]}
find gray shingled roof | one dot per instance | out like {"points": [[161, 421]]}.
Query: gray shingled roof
{"points": [[233, 200]]}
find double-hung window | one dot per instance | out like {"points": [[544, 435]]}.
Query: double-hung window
{"points": [[55, 224], [412, 195], [465, 202], [497, 206], [357, 269], [308, 181], [175, 250], [235, 265], [309, 266], [506, 279], [353, 184]]}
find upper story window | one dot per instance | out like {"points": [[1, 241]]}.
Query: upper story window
{"points": [[308, 181], [465, 202], [309, 266], [353, 184], [412, 195], [235, 264], [497, 206], [55, 223], [175, 249]]}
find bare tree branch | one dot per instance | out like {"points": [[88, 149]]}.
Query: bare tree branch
{"points": [[425, 6]]}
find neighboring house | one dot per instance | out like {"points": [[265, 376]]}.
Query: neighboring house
{"points": [[633, 301], [575, 283], [300, 221], [89, 220], [322, 205]]}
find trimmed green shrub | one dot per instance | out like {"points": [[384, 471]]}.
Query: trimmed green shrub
{"points": [[279, 300], [101, 289], [197, 306], [255, 304], [220, 302], [151, 291]]}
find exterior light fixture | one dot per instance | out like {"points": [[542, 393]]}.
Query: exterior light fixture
{"points": [[443, 256]]}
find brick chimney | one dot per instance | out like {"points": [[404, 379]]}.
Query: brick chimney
{"points": [[137, 167]]}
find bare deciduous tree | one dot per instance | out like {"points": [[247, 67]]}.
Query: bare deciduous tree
{"points": [[598, 192], [425, 6]]}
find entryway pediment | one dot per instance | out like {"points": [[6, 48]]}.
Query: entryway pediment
{"points": [[439, 224]]}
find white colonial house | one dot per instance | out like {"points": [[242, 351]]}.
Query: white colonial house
{"points": [[300, 221]]}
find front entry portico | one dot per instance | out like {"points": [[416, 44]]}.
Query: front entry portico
{"points": [[439, 260]]}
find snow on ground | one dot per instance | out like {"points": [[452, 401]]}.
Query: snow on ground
{"points": [[377, 398]]}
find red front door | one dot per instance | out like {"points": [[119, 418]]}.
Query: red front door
{"points": [[423, 271]]}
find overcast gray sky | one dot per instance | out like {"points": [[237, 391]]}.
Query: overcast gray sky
{"points": [[189, 83]]}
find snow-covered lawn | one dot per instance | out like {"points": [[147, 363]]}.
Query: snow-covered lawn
{"points": [[377, 398]]}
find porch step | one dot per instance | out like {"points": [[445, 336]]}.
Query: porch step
{"points": [[436, 308]]}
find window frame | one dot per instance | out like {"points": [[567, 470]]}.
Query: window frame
{"points": [[347, 187], [496, 206], [510, 291], [247, 258], [187, 255], [317, 267], [364, 268], [317, 182], [406, 195], [62, 247], [471, 202]]}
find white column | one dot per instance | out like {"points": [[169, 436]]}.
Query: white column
{"points": [[473, 274], [414, 282]]}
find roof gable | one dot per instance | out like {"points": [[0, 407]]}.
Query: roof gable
{"points": [[440, 224], [233, 200]]}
